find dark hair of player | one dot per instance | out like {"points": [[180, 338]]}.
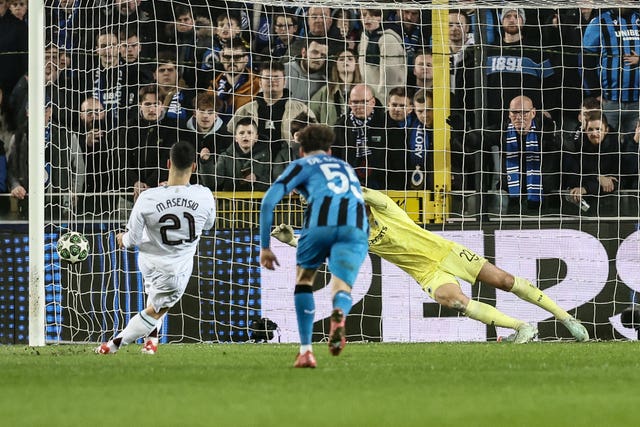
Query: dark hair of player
{"points": [[316, 137], [182, 155]]}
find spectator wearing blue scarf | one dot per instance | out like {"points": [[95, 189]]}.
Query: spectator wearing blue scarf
{"points": [[529, 155], [525, 153]]}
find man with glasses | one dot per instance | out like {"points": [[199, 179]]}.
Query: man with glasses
{"points": [[526, 157], [363, 140], [236, 85], [285, 34]]}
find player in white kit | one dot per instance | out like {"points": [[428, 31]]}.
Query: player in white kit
{"points": [[165, 224]]}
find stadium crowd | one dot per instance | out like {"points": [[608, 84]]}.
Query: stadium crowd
{"points": [[543, 107]]}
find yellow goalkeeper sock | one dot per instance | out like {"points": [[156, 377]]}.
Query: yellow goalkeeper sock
{"points": [[490, 315], [525, 290]]}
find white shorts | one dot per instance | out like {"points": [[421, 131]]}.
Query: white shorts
{"points": [[164, 289]]}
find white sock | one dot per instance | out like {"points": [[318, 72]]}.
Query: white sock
{"points": [[305, 348], [139, 326]]}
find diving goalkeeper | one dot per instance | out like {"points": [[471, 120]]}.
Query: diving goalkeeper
{"points": [[436, 264]]}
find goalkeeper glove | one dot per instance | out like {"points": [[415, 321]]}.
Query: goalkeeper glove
{"points": [[284, 233]]}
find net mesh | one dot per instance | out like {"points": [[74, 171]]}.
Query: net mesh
{"points": [[434, 127]]}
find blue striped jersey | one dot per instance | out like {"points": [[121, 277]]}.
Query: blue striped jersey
{"points": [[612, 36], [331, 188]]}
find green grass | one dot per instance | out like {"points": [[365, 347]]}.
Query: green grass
{"points": [[484, 384]]}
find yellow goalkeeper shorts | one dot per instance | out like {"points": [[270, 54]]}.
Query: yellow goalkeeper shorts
{"points": [[460, 263]]}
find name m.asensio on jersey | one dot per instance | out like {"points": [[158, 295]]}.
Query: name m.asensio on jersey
{"points": [[177, 202]]}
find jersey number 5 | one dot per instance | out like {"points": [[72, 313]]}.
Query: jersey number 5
{"points": [[334, 171], [176, 225]]}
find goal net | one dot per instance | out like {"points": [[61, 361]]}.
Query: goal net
{"points": [[478, 118]]}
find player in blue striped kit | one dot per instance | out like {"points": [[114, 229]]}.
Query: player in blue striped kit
{"points": [[335, 228]]}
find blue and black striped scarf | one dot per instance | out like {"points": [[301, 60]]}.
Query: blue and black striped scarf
{"points": [[531, 161]]}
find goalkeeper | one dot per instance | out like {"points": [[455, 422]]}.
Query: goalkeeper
{"points": [[436, 264]]}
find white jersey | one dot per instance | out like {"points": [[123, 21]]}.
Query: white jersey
{"points": [[166, 223]]}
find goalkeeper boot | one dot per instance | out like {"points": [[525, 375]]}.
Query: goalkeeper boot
{"points": [[337, 339], [525, 333], [149, 347], [576, 328], [305, 360], [106, 348]]}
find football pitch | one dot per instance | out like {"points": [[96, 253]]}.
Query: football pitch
{"points": [[461, 384]]}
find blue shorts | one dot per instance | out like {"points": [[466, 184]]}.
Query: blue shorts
{"points": [[345, 247]]}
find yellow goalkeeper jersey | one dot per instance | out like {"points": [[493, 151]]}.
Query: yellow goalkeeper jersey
{"points": [[396, 238]]}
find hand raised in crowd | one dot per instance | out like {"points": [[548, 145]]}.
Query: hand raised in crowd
{"points": [[205, 154], [19, 192], [577, 193], [607, 183], [119, 240], [94, 137], [631, 59]]}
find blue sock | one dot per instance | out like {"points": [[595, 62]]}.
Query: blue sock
{"points": [[343, 301], [305, 312]]}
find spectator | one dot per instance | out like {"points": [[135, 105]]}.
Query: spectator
{"points": [[346, 21], [517, 68], [462, 67], [527, 164], [272, 108], [280, 47], [236, 85], [19, 9], [172, 92], [108, 81], [630, 165], [245, 165], [181, 37], [419, 144], [399, 108], [60, 90], [574, 137], [209, 136], [13, 48], [484, 24], [148, 140], [290, 151], [363, 141], [63, 22], [423, 70], [306, 75], [382, 57], [330, 101], [136, 16], [562, 36], [594, 169], [137, 74], [64, 168], [413, 30], [319, 25], [611, 65], [102, 156], [228, 33]]}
